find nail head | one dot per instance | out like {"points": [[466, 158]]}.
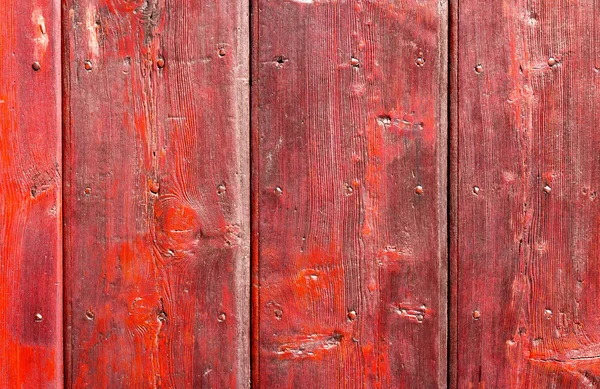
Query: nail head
{"points": [[420, 61], [351, 315], [154, 186]]}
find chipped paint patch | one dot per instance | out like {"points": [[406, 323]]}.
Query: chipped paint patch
{"points": [[411, 311], [92, 28], [309, 346], [40, 35]]}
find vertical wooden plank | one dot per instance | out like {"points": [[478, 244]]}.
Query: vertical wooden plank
{"points": [[30, 195], [157, 193], [349, 108], [528, 219]]}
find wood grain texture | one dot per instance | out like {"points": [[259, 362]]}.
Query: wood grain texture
{"points": [[156, 193], [527, 206], [30, 195], [349, 144]]}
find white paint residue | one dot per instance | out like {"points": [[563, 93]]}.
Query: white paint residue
{"points": [[40, 36], [90, 24]]}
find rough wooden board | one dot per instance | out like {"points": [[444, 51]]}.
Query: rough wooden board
{"points": [[527, 241], [349, 144], [156, 193], [30, 195]]}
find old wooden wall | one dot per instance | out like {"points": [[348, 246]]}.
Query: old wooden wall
{"points": [[164, 224], [156, 177], [525, 204], [349, 171], [30, 195]]}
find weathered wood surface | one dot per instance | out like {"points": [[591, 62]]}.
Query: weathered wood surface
{"points": [[156, 193], [349, 145], [527, 212], [30, 195]]}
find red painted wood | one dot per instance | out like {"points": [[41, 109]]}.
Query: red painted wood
{"points": [[30, 195], [349, 102], [156, 193], [526, 210]]}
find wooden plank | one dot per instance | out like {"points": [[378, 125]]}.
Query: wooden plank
{"points": [[157, 193], [349, 145], [30, 197], [528, 219]]}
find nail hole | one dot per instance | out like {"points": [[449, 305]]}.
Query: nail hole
{"points": [[280, 60]]}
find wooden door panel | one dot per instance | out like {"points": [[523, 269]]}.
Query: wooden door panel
{"points": [[525, 200], [30, 195], [349, 172], [156, 193]]}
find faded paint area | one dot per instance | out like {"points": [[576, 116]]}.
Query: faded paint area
{"points": [[41, 37], [92, 26]]}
